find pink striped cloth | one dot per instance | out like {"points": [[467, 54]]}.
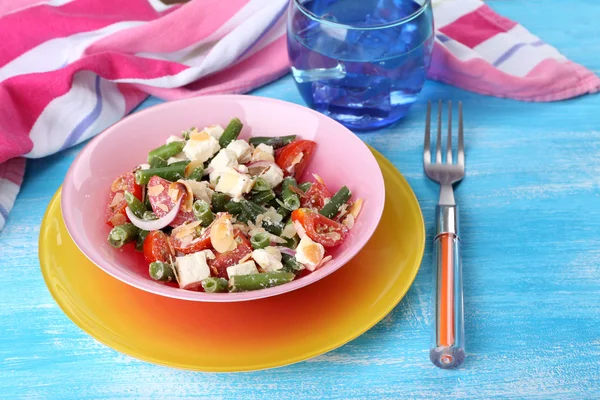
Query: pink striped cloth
{"points": [[71, 68]]}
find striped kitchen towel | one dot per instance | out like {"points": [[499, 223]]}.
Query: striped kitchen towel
{"points": [[71, 68]]}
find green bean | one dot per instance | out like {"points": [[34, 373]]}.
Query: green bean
{"points": [[231, 133], [161, 271], [167, 150], [170, 173], [135, 205], [262, 197], [219, 200], [284, 212], [178, 163], [139, 244], [330, 209], [290, 264], [260, 240], [149, 216], [121, 234], [291, 243], [291, 200], [260, 185], [233, 207], [157, 162], [197, 174], [253, 210], [275, 142], [203, 213], [214, 285], [242, 283], [305, 186]]}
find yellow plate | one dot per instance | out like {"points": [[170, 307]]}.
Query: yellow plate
{"points": [[230, 337]]}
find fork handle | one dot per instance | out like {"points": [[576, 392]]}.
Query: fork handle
{"points": [[447, 349]]}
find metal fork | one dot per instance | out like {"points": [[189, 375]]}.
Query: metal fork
{"points": [[447, 349]]}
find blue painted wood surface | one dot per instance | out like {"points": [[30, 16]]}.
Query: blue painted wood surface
{"points": [[531, 219]]}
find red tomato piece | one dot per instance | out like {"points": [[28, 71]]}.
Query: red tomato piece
{"points": [[223, 260], [316, 195], [162, 203], [156, 247], [321, 229], [115, 210], [200, 243], [294, 157]]}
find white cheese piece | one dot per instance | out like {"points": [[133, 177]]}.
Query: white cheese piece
{"points": [[193, 268], [266, 148], [242, 150], [201, 190], [309, 253], [174, 138], [233, 183], [201, 147], [273, 176], [268, 258], [245, 268], [272, 216], [215, 131], [144, 166], [176, 158], [263, 152], [225, 159], [289, 231]]}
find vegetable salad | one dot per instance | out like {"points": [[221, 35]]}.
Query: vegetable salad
{"points": [[215, 213]]}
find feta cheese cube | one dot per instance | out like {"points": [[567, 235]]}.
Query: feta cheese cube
{"points": [[242, 150], [263, 152], [144, 166], [201, 147], [201, 190], [309, 253], [174, 138], [215, 131], [268, 258], [245, 268], [289, 231], [225, 159], [272, 175], [193, 268], [233, 183], [266, 148]]}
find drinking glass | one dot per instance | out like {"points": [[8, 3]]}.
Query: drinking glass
{"points": [[361, 62]]}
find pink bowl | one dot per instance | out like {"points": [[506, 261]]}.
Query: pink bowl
{"points": [[341, 158]]}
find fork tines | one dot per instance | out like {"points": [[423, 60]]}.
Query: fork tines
{"points": [[438, 144]]}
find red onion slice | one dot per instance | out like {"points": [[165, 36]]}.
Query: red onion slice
{"points": [[258, 164], [286, 250], [156, 224]]}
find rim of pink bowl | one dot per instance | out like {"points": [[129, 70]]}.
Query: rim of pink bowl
{"points": [[176, 293]]}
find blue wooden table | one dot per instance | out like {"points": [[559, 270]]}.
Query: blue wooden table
{"points": [[531, 225]]}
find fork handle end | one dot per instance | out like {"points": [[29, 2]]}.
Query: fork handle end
{"points": [[447, 349]]}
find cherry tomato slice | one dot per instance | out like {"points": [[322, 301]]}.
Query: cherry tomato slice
{"points": [[321, 229], [115, 210], [316, 195], [294, 157], [223, 260], [156, 247], [162, 203], [198, 244]]}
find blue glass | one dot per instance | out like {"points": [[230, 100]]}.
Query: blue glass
{"points": [[361, 62]]}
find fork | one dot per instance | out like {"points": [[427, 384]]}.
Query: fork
{"points": [[447, 347]]}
